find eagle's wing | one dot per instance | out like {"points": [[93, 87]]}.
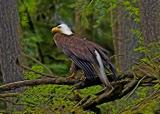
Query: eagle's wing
{"points": [[85, 65], [84, 52], [80, 48]]}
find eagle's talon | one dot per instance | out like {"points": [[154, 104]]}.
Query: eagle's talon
{"points": [[72, 76], [83, 78], [108, 89]]}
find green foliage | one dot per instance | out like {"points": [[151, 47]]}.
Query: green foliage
{"points": [[140, 102], [59, 69], [37, 18], [31, 75], [50, 99], [146, 104], [91, 90], [95, 19], [133, 9], [60, 99], [149, 62]]}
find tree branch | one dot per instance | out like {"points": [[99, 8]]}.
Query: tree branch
{"points": [[58, 80], [4, 95], [121, 88], [18, 84], [35, 60], [40, 73], [106, 96]]}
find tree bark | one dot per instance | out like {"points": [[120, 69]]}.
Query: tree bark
{"points": [[9, 45], [79, 29], [150, 20], [124, 39], [9, 41]]}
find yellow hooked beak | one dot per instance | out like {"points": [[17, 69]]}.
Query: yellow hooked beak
{"points": [[55, 29]]}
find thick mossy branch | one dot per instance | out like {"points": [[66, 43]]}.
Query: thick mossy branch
{"points": [[19, 84], [65, 81], [59, 80], [121, 87]]}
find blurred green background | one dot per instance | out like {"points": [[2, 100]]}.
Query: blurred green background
{"points": [[89, 18]]}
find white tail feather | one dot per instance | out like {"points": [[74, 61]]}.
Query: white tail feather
{"points": [[101, 72]]}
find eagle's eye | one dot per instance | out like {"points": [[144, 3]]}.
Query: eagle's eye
{"points": [[59, 26]]}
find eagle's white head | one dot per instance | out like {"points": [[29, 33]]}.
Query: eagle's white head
{"points": [[62, 28]]}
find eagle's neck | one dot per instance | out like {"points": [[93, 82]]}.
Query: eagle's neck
{"points": [[61, 35], [67, 32], [60, 39]]}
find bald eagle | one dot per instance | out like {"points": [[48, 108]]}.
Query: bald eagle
{"points": [[91, 58]]}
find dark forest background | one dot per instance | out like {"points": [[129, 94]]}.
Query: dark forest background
{"points": [[129, 29]]}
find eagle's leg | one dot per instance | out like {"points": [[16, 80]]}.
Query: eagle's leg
{"points": [[83, 77], [73, 70], [72, 76]]}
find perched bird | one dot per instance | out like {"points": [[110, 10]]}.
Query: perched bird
{"points": [[91, 58]]}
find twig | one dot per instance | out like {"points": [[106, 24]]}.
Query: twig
{"points": [[148, 74], [43, 74], [135, 87], [82, 101], [113, 56], [35, 60], [9, 101], [154, 95], [129, 88], [4, 95], [106, 96], [6, 100]]}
